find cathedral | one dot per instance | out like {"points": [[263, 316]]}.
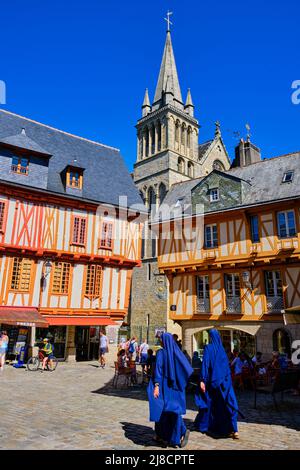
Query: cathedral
{"points": [[168, 153]]}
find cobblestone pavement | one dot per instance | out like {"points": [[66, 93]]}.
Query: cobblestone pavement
{"points": [[76, 407]]}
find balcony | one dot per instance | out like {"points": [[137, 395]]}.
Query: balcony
{"points": [[203, 306], [233, 305], [275, 304], [287, 245]]}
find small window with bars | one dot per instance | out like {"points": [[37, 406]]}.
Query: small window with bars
{"points": [[2, 216], [20, 165], [79, 231], [21, 272], [214, 195], [61, 278], [74, 178], [106, 239], [93, 280]]}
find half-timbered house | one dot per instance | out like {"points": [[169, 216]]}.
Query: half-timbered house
{"points": [[68, 244], [229, 244]]}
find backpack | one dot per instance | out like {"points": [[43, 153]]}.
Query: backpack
{"points": [[131, 348]]}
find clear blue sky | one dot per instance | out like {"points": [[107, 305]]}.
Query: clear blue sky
{"points": [[83, 66]]}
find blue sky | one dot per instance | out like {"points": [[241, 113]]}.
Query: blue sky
{"points": [[83, 66]]}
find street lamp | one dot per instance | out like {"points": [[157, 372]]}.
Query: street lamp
{"points": [[47, 267]]}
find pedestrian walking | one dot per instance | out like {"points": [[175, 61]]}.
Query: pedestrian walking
{"points": [[144, 347], [166, 393], [132, 349], [218, 408], [3, 349], [103, 349]]}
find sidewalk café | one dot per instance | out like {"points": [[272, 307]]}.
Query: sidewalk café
{"points": [[20, 324]]}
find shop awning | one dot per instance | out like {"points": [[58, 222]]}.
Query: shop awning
{"points": [[22, 316], [79, 321], [291, 315]]}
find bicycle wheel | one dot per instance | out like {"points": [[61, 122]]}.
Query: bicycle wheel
{"points": [[33, 364], [51, 366]]}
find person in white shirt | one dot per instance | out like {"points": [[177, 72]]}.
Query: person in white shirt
{"points": [[132, 349], [103, 348], [144, 352]]}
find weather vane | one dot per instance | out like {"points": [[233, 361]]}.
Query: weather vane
{"points": [[168, 19], [248, 132]]}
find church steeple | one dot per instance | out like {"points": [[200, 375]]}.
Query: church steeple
{"points": [[146, 107], [168, 78]]}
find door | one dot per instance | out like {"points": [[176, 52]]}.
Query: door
{"points": [[82, 337]]}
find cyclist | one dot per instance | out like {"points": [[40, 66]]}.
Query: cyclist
{"points": [[47, 350]]}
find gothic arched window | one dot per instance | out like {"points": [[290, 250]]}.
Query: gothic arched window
{"points": [[152, 130], [152, 199], [147, 141], [190, 170], [177, 134], [282, 342], [180, 165], [162, 192], [158, 136], [217, 165]]}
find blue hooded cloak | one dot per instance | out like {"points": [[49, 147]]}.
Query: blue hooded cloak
{"points": [[172, 371], [218, 408]]}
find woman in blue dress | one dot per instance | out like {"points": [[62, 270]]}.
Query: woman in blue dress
{"points": [[216, 401], [166, 392]]}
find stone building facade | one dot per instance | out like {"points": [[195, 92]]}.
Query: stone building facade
{"points": [[168, 152]]}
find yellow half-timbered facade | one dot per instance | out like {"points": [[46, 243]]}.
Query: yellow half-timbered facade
{"points": [[229, 245]]}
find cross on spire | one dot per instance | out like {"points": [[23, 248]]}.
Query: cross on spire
{"points": [[169, 13]]}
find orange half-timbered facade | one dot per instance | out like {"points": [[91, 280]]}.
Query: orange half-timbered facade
{"points": [[229, 245], [66, 250]]}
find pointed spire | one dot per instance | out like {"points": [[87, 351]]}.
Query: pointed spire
{"points": [[189, 107], [146, 107], [218, 129], [168, 76]]}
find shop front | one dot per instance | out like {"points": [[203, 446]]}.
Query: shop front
{"points": [[20, 323], [233, 340], [77, 338]]}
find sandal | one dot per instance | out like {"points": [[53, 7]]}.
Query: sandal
{"points": [[234, 435], [184, 439]]}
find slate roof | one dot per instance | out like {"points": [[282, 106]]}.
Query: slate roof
{"points": [[105, 177], [264, 178], [22, 141], [203, 148]]}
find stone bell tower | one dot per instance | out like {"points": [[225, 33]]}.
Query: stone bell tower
{"points": [[167, 153]]}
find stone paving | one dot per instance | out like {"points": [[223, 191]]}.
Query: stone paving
{"points": [[76, 407]]}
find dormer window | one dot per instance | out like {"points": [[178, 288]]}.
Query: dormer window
{"points": [[214, 195], [74, 178], [288, 177], [20, 165]]}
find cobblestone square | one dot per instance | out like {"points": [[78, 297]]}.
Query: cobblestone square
{"points": [[76, 407]]}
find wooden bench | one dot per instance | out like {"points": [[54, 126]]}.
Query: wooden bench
{"points": [[280, 382]]}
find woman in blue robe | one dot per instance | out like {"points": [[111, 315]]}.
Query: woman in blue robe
{"points": [[216, 400], [166, 393]]}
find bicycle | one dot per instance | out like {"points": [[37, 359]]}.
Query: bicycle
{"points": [[33, 364]]}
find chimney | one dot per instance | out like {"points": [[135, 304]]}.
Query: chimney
{"points": [[246, 154]]}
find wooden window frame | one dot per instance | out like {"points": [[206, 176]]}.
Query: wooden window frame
{"points": [[105, 246], [16, 169], [19, 279], [93, 285], [211, 192], [211, 228], [288, 235], [3, 215], [69, 183], [61, 291], [81, 241]]}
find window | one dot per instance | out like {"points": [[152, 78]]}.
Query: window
{"points": [[217, 165], [180, 165], [190, 170], [232, 285], [93, 280], [254, 226], [61, 277], [286, 224], [20, 165], [203, 293], [153, 246], [2, 215], [79, 231], [74, 178], [210, 236], [162, 192], [288, 177], [106, 239], [214, 195], [149, 271], [273, 284], [282, 342], [20, 278]]}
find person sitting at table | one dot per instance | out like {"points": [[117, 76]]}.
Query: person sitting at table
{"points": [[122, 359], [196, 361]]}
